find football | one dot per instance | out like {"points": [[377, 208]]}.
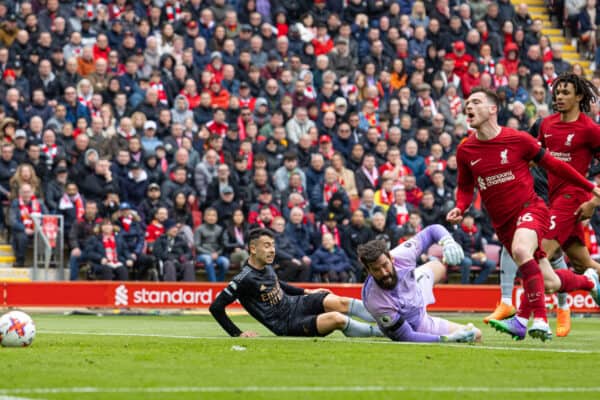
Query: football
{"points": [[16, 329]]}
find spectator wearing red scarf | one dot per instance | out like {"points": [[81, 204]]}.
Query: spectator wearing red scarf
{"points": [[471, 240], [22, 211], [107, 254]]}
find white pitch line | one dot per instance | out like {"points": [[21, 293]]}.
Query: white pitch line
{"points": [[337, 340], [300, 389], [17, 398]]}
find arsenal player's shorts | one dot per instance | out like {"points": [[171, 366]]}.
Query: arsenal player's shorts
{"points": [[535, 216], [302, 319], [564, 226]]}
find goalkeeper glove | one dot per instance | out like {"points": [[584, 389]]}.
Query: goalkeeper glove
{"points": [[453, 253]]}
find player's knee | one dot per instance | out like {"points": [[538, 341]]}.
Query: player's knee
{"points": [[521, 253], [339, 320], [344, 304]]}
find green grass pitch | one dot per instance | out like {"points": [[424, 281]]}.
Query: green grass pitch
{"points": [[190, 357]]}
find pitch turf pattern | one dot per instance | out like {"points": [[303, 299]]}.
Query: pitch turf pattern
{"points": [[189, 357]]}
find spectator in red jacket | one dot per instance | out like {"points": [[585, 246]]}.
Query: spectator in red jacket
{"points": [[461, 58], [322, 43]]}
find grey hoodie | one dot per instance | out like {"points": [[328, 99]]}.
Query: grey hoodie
{"points": [[179, 116]]}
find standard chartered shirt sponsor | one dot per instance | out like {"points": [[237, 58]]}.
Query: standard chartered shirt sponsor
{"points": [[566, 157], [495, 179]]}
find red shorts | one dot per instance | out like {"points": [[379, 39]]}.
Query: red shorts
{"points": [[564, 227], [535, 216]]}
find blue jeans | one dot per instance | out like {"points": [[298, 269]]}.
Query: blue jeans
{"points": [[209, 264], [465, 271], [74, 264]]}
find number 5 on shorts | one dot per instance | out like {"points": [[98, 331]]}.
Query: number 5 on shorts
{"points": [[552, 222], [527, 217]]}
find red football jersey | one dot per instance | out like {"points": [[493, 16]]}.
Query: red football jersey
{"points": [[499, 168], [573, 142]]}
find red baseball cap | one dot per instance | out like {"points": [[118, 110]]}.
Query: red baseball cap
{"points": [[459, 45], [324, 139], [9, 72]]}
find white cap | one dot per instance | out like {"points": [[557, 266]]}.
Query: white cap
{"points": [[149, 125]]}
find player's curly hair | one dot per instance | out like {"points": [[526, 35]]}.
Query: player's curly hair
{"points": [[582, 87], [371, 251]]}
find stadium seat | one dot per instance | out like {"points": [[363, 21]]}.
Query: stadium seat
{"points": [[492, 252]]}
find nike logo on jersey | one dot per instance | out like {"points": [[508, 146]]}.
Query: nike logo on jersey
{"points": [[475, 161]]}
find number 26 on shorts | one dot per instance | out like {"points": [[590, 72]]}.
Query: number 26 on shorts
{"points": [[527, 217]]}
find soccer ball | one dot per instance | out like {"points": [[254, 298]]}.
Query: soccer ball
{"points": [[16, 329]]}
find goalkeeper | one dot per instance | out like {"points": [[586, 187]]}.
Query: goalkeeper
{"points": [[397, 293]]}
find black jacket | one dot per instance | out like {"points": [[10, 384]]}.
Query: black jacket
{"points": [[176, 249], [95, 187], [80, 232], [471, 243]]}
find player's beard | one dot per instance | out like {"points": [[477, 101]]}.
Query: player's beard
{"points": [[388, 282]]}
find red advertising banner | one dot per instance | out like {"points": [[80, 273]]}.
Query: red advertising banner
{"points": [[481, 298]]}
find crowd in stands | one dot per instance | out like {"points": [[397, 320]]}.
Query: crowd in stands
{"points": [[164, 130]]}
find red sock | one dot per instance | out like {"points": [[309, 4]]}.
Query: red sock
{"points": [[524, 311], [570, 281], [533, 285]]}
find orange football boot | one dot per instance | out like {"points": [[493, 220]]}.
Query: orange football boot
{"points": [[563, 322], [501, 312]]}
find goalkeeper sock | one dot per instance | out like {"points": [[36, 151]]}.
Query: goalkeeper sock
{"points": [[559, 263], [508, 271], [357, 309], [360, 329]]}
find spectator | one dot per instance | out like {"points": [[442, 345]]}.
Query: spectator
{"points": [[290, 263], [322, 193], [70, 204], [300, 231], [174, 255], [210, 249], [355, 233], [108, 254], [367, 204], [471, 240], [282, 175], [132, 232], [134, 186], [155, 228], [330, 262], [236, 238], [398, 212], [23, 209], [345, 175], [80, 232]]}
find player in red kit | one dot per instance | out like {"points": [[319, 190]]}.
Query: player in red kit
{"points": [[573, 137], [496, 160]]}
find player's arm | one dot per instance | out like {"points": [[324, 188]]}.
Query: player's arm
{"points": [[409, 251], [401, 331], [564, 171], [587, 209], [464, 191], [291, 290], [217, 309]]}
